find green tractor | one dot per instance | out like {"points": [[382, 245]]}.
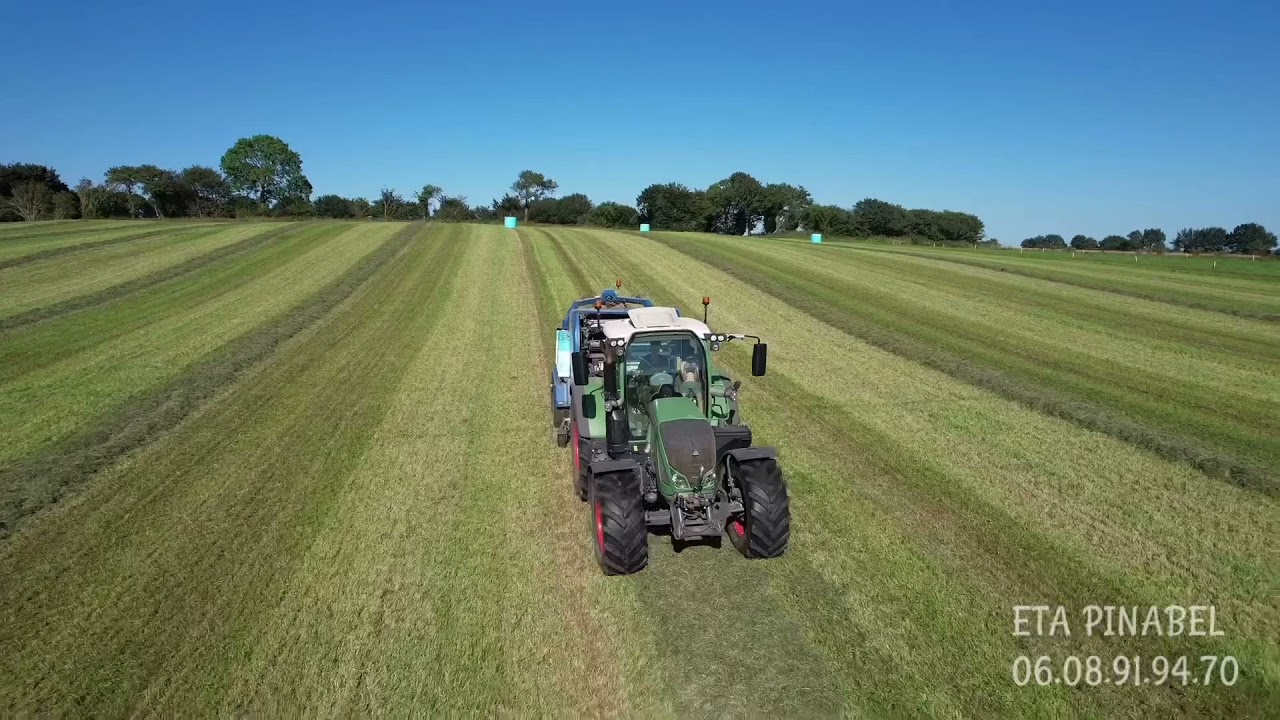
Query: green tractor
{"points": [[659, 442]]}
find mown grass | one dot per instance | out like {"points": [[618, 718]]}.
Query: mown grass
{"points": [[1232, 285], [1197, 387], [46, 402], [160, 275], [939, 506], [363, 525], [21, 245], [365, 514], [54, 280]]}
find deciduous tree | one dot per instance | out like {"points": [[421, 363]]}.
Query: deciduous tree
{"points": [[1195, 240], [1083, 242], [1152, 240], [30, 200], [784, 206], [532, 186], [1251, 239], [91, 198], [568, 210], [205, 189], [878, 217], [66, 206], [737, 203], [126, 178], [613, 215], [426, 196], [453, 209], [1116, 242], [333, 206], [267, 168], [674, 207]]}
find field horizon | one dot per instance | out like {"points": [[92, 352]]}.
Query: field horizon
{"points": [[307, 468]]}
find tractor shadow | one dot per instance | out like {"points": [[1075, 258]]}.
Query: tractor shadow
{"points": [[679, 546]]}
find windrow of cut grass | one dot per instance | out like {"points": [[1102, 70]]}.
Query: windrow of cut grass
{"points": [[365, 525], [925, 509], [163, 274], [740, 652], [67, 331], [1231, 285], [75, 416], [23, 238], [1186, 395], [146, 592], [58, 279], [23, 251], [65, 229]]}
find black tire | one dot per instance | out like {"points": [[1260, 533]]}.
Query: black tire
{"points": [[764, 528], [618, 530]]}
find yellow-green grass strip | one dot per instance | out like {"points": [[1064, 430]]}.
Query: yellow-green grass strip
{"points": [[1220, 430], [99, 405], [181, 552], [74, 304], [19, 253], [1236, 286], [25, 238], [57, 280], [1206, 377], [940, 506], [30, 346]]}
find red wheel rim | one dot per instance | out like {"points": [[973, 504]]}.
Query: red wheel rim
{"points": [[738, 528], [600, 526]]}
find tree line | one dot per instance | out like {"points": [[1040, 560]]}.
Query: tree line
{"points": [[1245, 239], [262, 176]]}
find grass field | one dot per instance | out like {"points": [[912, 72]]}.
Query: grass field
{"points": [[307, 469]]}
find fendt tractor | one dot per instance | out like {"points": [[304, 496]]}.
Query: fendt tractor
{"points": [[657, 437]]}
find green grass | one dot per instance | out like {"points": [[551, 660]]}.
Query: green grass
{"points": [[1229, 284], [1191, 385], [313, 475]]}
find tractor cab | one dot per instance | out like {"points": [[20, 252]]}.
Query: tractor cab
{"points": [[658, 441]]}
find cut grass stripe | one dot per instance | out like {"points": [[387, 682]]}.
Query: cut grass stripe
{"points": [[998, 506], [114, 292], [181, 555], [740, 651], [35, 482], [16, 244], [818, 300], [47, 404], [93, 245], [66, 277], [1166, 285], [1224, 399], [35, 346]]}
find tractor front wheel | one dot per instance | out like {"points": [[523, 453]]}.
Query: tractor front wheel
{"points": [[764, 527], [617, 523]]}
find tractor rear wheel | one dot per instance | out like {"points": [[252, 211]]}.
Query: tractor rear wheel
{"points": [[764, 528], [617, 523]]}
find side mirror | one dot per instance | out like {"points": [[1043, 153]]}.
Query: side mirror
{"points": [[759, 357], [589, 406], [579, 360]]}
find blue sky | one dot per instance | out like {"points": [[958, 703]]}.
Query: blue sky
{"points": [[1084, 117]]}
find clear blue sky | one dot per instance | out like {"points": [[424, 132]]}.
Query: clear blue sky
{"points": [[1084, 117]]}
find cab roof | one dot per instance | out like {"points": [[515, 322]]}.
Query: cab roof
{"points": [[652, 319]]}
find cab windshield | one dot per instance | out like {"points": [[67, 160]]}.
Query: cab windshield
{"points": [[662, 365]]}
